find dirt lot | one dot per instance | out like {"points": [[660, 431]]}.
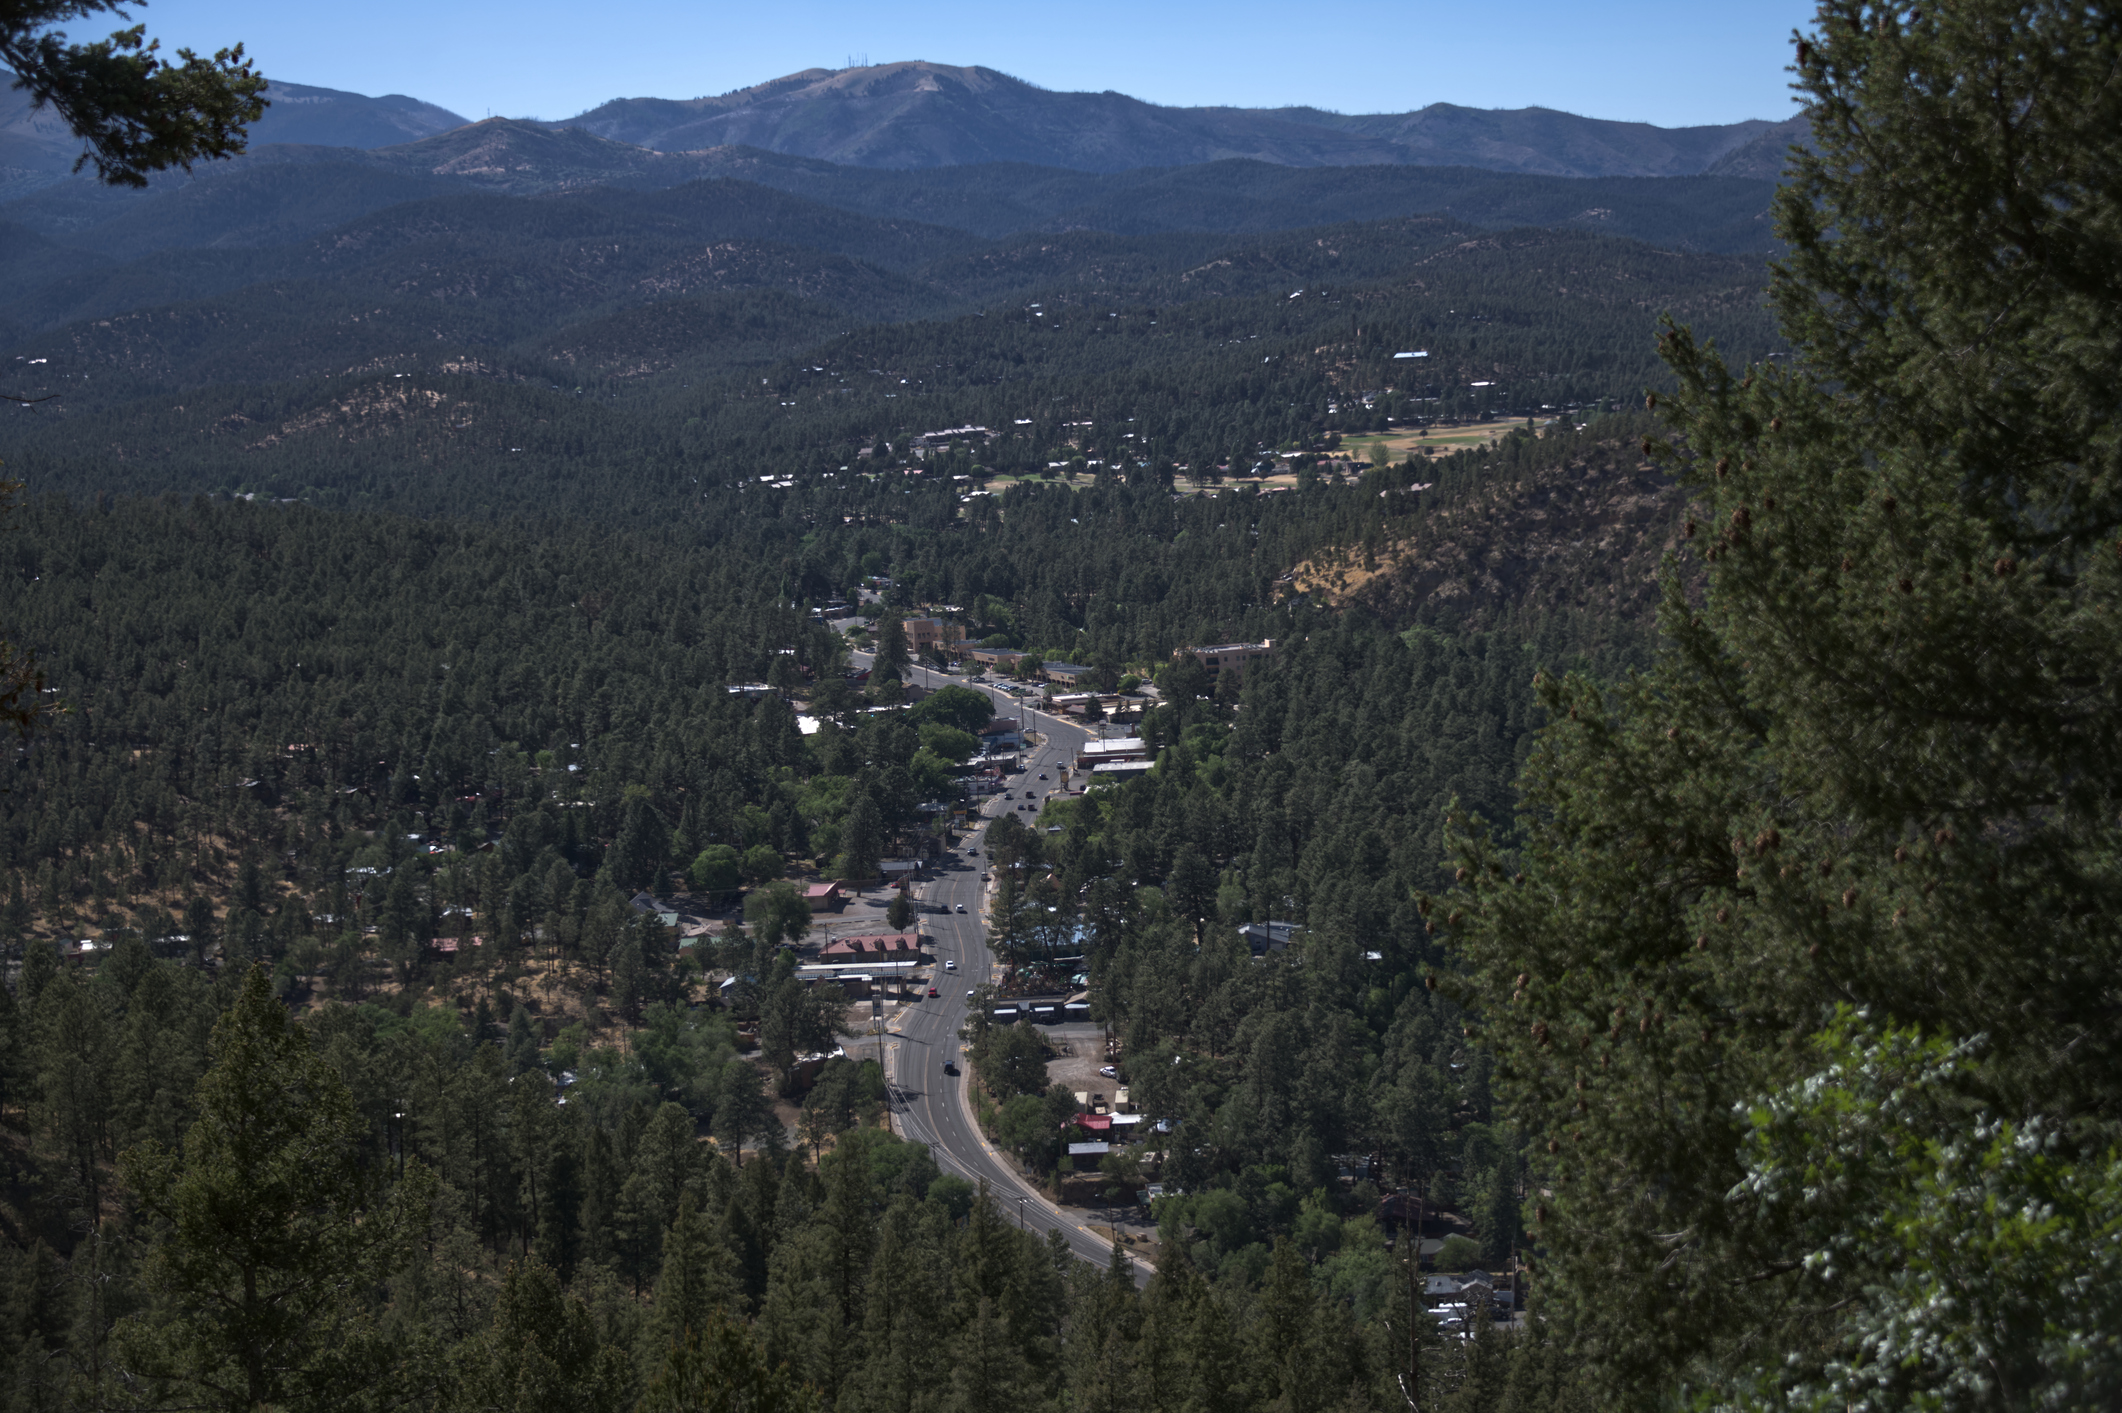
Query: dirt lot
{"points": [[1080, 1051]]}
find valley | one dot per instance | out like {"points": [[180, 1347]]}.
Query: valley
{"points": [[894, 742]]}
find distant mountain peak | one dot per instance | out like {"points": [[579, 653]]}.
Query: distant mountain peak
{"points": [[915, 113]]}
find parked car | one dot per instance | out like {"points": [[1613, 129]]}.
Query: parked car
{"points": [[1109, 1071]]}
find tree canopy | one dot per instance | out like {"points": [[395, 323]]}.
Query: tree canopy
{"points": [[138, 113], [1808, 953]]}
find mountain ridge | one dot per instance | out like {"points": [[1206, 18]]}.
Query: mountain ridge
{"points": [[917, 114], [37, 149]]}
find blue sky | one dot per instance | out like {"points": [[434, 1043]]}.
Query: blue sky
{"points": [[1671, 62]]}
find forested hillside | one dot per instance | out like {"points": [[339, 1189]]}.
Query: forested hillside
{"points": [[270, 702], [426, 395]]}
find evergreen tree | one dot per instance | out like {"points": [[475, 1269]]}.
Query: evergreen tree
{"points": [[262, 1227], [723, 1369], [1869, 794], [892, 658], [699, 1279], [542, 1353], [522, 1040]]}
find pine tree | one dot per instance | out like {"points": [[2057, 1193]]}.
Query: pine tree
{"points": [[262, 1227], [723, 1369], [541, 1352], [892, 658], [699, 1278], [1857, 829]]}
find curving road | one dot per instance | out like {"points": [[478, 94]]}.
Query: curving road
{"points": [[929, 1106]]}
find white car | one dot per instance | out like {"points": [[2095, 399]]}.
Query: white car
{"points": [[1109, 1071], [950, 966]]}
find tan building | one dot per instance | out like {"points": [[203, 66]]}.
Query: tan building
{"points": [[1231, 657], [925, 636]]}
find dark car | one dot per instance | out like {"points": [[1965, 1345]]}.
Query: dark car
{"points": [[1042, 775], [950, 1066]]}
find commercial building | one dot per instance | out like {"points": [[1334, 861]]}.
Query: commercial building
{"points": [[1097, 753], [880, 946], [933, 636], [1233, 658]]}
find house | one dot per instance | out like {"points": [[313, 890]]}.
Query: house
{"points": [[1114, 1128], [824, 897], [1233, 658], [1266, 937], [993, 659], [806, 1067], [978, 436], [1064, 674], [899, 870]]}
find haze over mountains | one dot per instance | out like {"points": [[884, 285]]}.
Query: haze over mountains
{"points": [[935, 115], [919, 116], [965, 148], [36, 148]]}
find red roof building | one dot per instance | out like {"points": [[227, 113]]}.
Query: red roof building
{"points": [[884, 946]]}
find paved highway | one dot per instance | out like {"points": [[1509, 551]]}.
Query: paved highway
{"points": [[929, 1106]]}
